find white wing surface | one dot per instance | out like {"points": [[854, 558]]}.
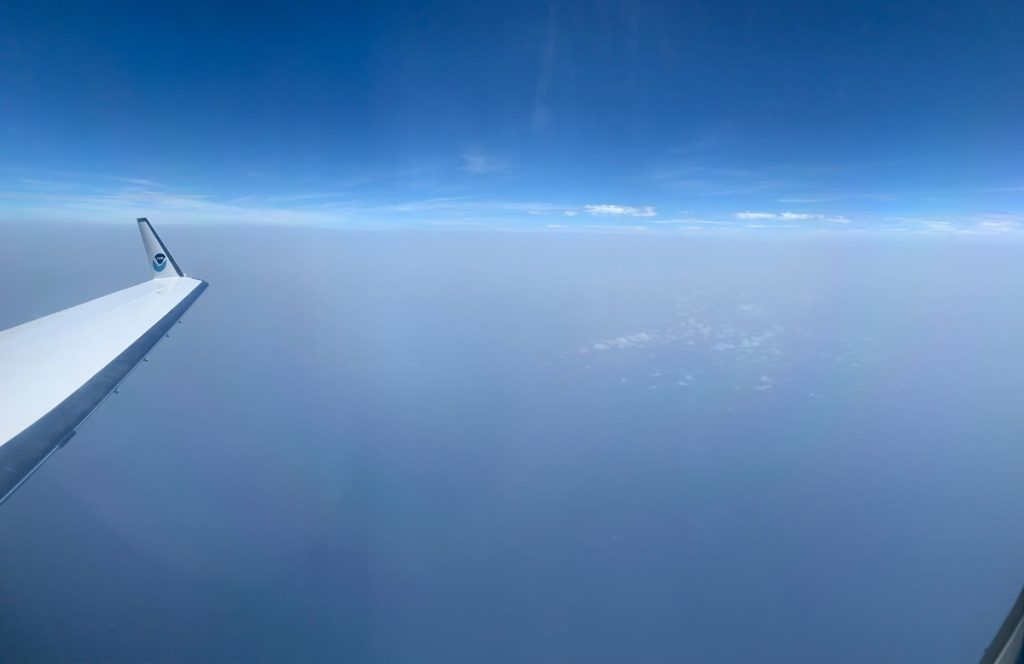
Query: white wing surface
{"points": [[55, 370]]}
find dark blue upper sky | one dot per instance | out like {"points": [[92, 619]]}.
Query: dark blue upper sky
{"points": [[622, 114]]}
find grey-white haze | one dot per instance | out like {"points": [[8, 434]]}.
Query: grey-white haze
{"points": [[414, 446]]}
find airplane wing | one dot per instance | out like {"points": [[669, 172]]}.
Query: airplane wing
{"points": [[55, 370], [1008, 645]]}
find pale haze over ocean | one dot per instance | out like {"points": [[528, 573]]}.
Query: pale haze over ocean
{"points": [[387, 446]]}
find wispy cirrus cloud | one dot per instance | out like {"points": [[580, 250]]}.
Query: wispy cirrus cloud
{"points": [[542, 209], [114, 199], [998, 222], [478, 163], [694, 178], [607, 209], [806, 199], [1013, 188], [71, 197]]}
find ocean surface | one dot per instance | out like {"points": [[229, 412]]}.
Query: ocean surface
{"points": [[531, 447]]}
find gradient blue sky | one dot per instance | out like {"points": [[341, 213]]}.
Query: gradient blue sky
{"points": [[624, 115]]}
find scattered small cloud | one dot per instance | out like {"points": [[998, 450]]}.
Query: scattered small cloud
{"points": [[726, 348], [685, 380], [635, 340]]}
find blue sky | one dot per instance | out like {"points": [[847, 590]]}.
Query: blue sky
{"points": [[593, 116]]}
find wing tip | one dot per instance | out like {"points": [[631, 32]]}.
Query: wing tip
{"points": [[159, 255]]}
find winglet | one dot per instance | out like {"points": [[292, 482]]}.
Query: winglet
{"points": [[156, 252]]}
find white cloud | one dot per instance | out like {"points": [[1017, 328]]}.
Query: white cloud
{"points": [[570, 213], [620, 210], [791, 216]]}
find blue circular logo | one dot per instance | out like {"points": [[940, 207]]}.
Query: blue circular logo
{"points": [[159, 262]]}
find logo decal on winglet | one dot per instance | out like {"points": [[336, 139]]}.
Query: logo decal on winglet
{"points": [[159, 262]]}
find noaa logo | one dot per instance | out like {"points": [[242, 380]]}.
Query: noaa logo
{"points": [[159, 262]]}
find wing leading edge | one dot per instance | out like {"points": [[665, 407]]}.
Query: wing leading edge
{"points": [[57, 369]]}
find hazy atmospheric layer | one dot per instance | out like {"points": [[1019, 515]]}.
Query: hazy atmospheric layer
{"points": [[524, 447]]}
